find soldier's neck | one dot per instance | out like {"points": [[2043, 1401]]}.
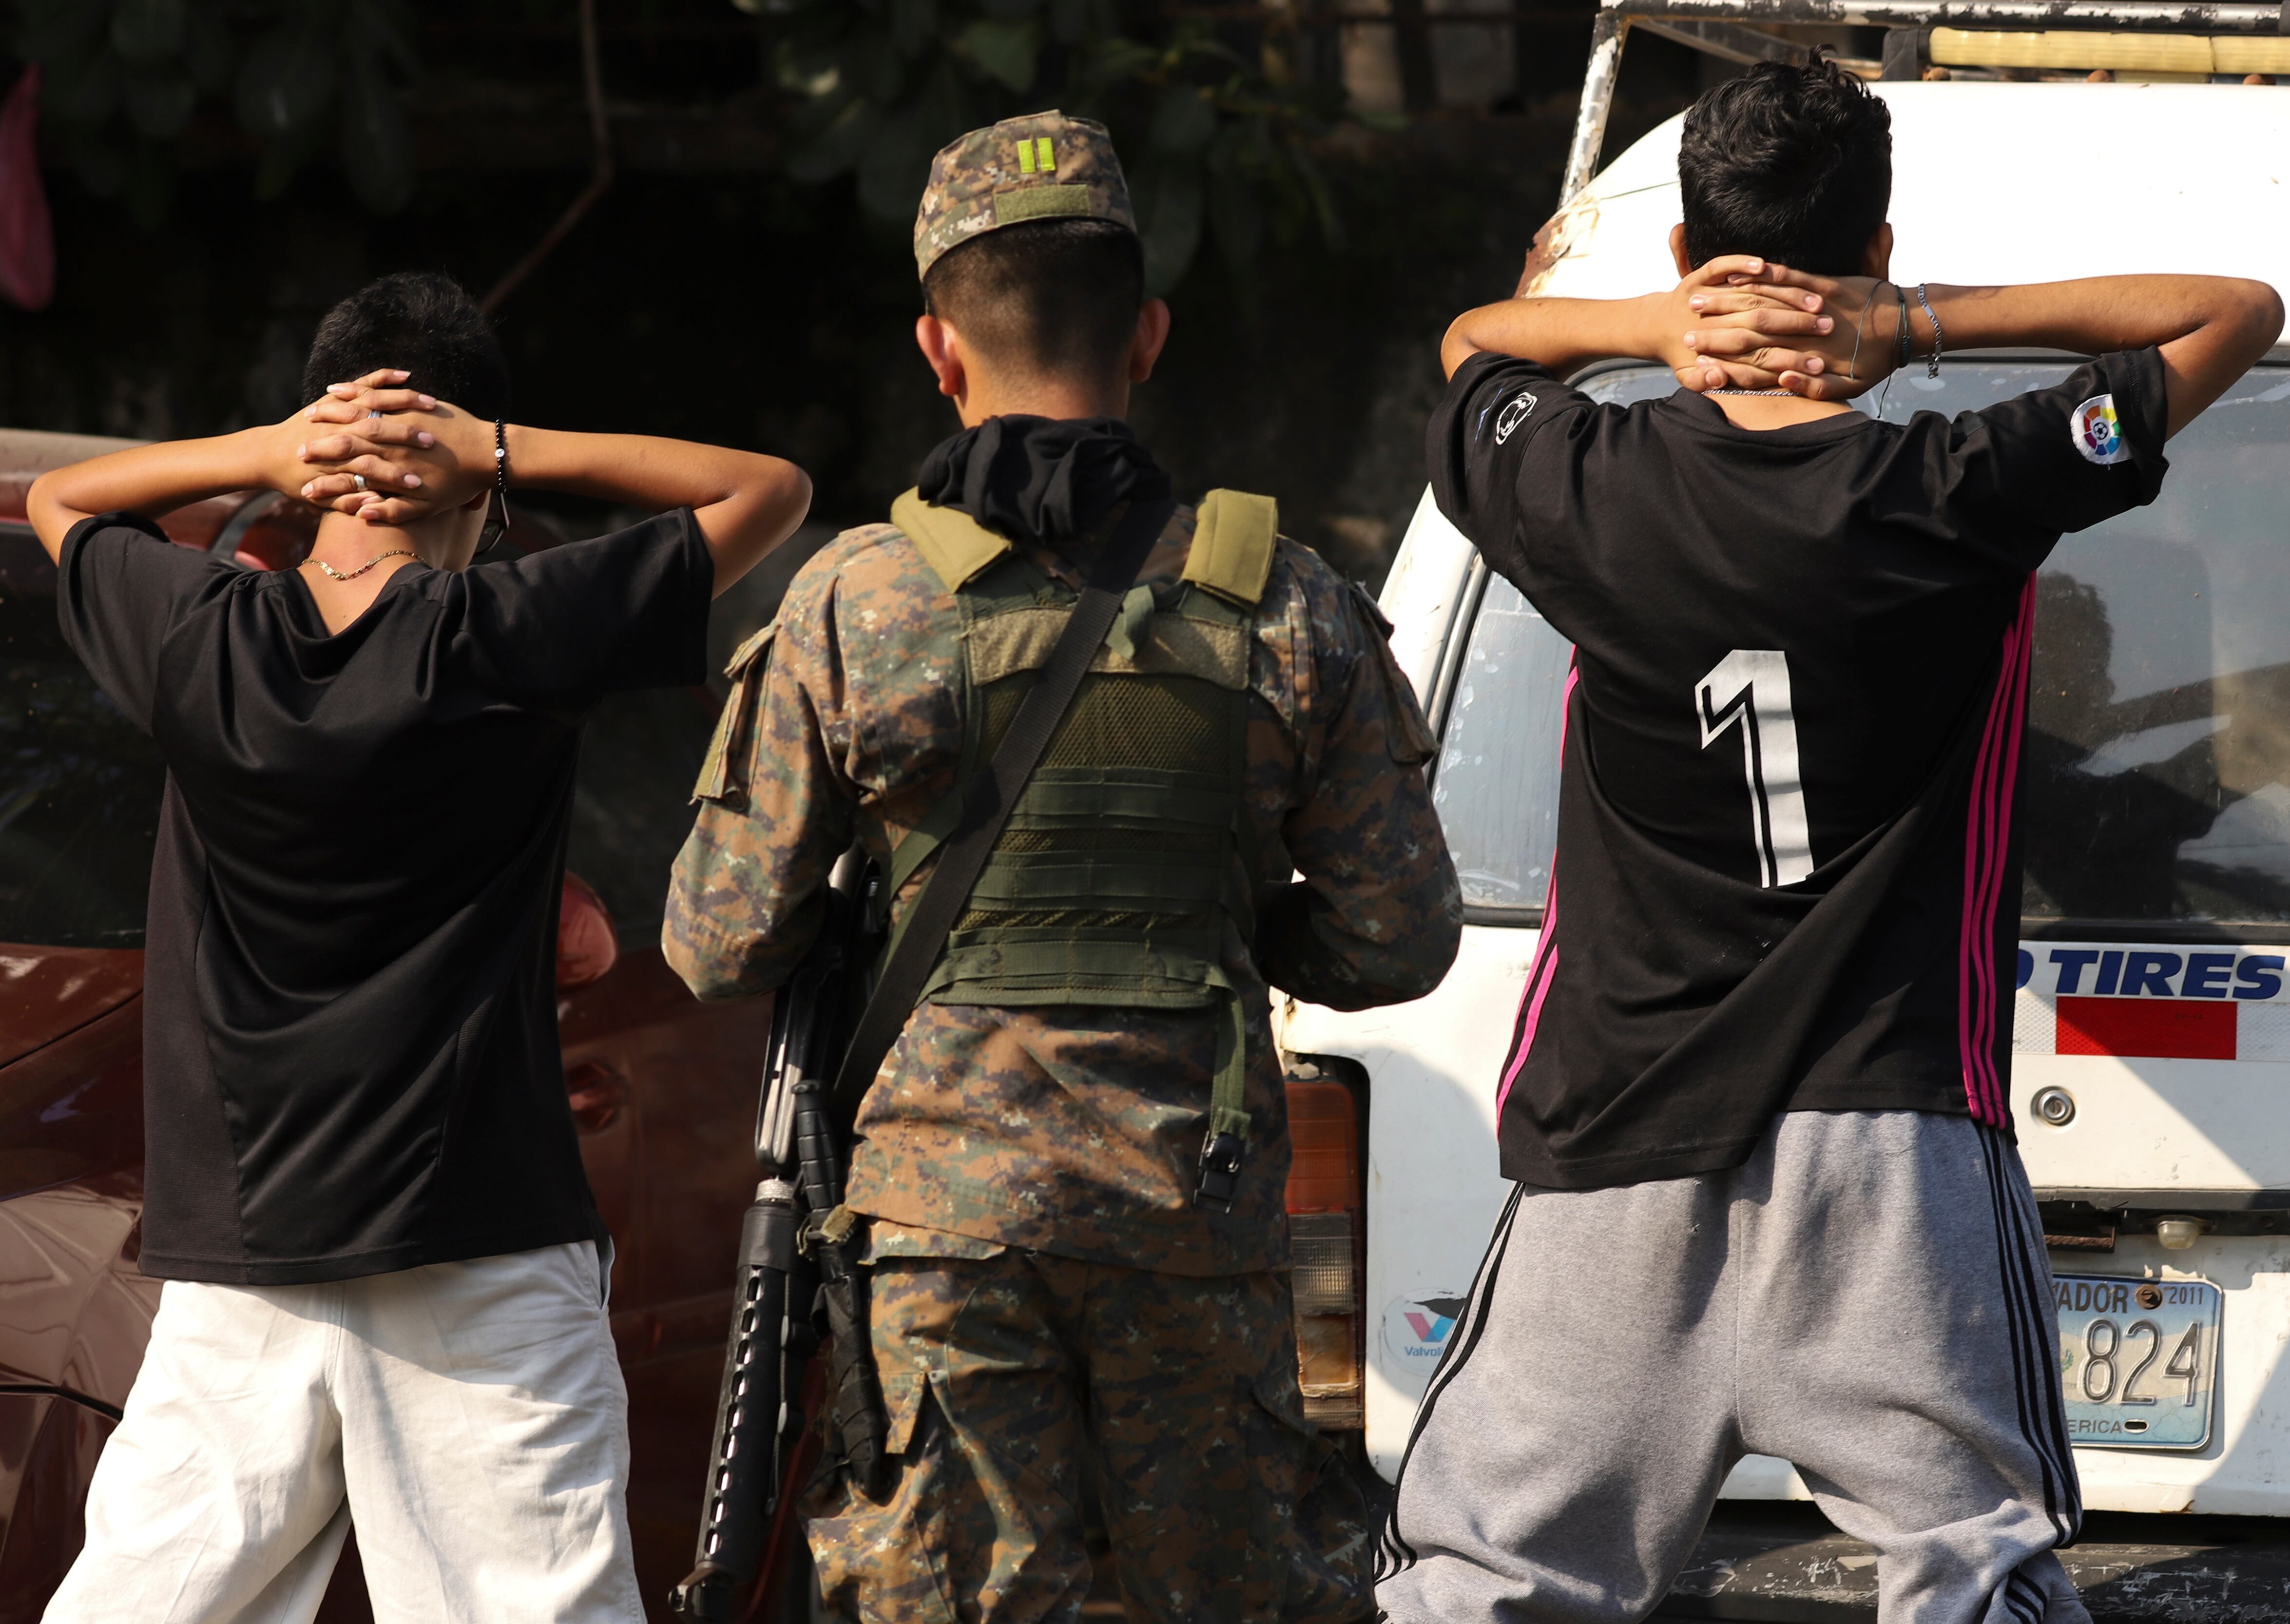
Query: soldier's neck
{"points": [[982, 397]]}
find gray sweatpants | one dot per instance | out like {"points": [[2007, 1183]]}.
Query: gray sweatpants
{"points": [[1868, 1297]]}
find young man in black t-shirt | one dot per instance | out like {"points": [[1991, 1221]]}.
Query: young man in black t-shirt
{"points": [[386, 1277], [1754, 1105]]}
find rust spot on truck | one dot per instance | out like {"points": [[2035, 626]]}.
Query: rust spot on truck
{"points": [[1561, 234]]}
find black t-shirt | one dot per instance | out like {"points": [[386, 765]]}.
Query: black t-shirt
{"points": [[350, 1060], [1785, 878]]}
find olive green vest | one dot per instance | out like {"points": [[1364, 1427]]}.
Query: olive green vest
{"points": [[1128, 866]]}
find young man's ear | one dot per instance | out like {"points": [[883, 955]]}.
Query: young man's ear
{"points": [[942, 346], [1145, 344], [1877, 258], [1678, 250]]}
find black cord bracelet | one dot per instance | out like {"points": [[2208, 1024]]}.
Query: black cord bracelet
{"points": [[500, 463]]}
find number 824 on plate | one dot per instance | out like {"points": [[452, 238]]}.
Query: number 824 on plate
{"points": [[2138, 1360]]}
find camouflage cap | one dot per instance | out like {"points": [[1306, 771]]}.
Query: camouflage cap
{"points": [[1040, 166]]}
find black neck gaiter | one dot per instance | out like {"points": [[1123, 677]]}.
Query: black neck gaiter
{"points": [[1037, 480]]}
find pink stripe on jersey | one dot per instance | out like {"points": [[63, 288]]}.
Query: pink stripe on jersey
{"points": [[1545, 969], [1987, 842]]}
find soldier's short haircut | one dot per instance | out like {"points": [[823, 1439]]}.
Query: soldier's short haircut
{"points": [[419, 321], [1050, 298], [1792, 163]]}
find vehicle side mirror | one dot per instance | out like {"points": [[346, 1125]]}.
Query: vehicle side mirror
{"points": [[587, 945]]}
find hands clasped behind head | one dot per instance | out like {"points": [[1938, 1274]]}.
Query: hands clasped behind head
{"points": [[398, 454], [1840, 339]]}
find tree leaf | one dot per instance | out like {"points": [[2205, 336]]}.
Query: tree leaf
{"points": [[1070, 20], [148, 31], [1183, 122], [914, 24], [284, 155], [56, 31], [1172, 226], [1236, 213], [210, 50], [1006, 50], [159, 99], [377, 145], [838, 148], [893, 169], [388, 28], [286, 80], [1322, 198], [86, 93], [103, 166], [150, 186]]}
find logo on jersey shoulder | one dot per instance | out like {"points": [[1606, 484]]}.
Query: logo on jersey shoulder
{"points": [[1521, 408], [2096, 434]]}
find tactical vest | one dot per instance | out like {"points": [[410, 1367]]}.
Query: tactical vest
{"points": [[1129, 865]]}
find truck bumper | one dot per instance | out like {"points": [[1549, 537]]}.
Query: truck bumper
{"points": [[1786, 1565]]}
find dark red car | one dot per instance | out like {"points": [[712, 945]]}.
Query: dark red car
{"points": [[662, 1087]]}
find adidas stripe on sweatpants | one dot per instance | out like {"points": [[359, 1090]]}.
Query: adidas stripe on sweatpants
{"points": [[1868, 1296]]}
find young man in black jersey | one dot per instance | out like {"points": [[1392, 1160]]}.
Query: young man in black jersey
{"points": [[386, 1278], [1756, 1098]]}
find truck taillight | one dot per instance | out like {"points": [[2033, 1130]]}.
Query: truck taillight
{"points": [[1324, 1234]]}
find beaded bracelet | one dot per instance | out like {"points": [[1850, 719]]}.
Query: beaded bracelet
{"points": [[1931, 365]]}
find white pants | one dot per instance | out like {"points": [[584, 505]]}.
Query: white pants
{"points": [[469, 1418]]}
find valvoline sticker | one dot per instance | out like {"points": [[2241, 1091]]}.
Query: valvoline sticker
{"points": [[2185, 1000], [1416, 1331]]}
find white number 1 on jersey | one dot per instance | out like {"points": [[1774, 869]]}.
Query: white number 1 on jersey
{"points": [[1750, 688]]}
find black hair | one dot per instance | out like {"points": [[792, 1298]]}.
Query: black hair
{"points": [[1049, 297], [1792, 163], [421, 320]]}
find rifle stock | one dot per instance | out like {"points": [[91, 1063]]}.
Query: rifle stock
{"points": [[782, 1258]]}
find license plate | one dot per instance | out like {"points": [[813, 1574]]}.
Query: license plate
{"points": [[2138, 1360]]}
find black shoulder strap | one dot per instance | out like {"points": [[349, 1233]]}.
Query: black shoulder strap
{"points": [[992, 796]]}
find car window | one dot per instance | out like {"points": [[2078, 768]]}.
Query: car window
{"points": [[79, 783], [1496, 781], [2156, 767]]}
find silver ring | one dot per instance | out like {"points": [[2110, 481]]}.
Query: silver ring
{"points": [[373, 414], [359, 480]]}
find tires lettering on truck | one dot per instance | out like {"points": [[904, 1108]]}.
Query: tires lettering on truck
{"points": [[2181, 1001]]}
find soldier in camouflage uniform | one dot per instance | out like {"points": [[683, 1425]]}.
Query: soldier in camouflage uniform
{"points": [[1046, 1291]]}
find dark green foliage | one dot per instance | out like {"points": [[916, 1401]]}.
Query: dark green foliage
{"points": [[122, 78], [1214, 134]]}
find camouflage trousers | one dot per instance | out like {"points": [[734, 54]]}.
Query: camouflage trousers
{"points": [[1001, 1375]]}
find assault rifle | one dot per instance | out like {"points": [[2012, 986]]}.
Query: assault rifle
{"points": [[796, 1267]]}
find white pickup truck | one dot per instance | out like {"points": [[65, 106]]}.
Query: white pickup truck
{"points": [[2151, 1076]]}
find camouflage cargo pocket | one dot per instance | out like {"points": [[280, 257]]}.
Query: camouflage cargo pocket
{"points": [[1315, 1525], [890, 1561]]}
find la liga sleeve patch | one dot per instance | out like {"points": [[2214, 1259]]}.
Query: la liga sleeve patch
{"points": [[2097, 436]]}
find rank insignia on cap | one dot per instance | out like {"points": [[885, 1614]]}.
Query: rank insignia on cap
{"points": [[2098, 436], [1041, 166]]}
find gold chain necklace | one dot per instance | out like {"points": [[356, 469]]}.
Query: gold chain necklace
{"points": [[333, 573]]}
